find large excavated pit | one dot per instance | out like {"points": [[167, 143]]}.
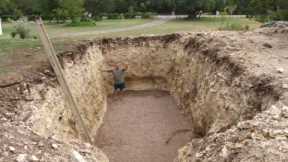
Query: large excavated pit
{"points": [[188, 92]]}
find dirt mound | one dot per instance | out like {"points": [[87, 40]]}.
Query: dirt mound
{"points": [[276, 24], [18, 143]]}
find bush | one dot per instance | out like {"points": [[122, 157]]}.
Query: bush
{"points": [[263, 18], [21, 29], [280, 15], [148, 15], [97, 18], [82, 23], [114, 16], [138, 14], [13, 34], [234, 27], [129, 15], [76, 20], [122, 16]]}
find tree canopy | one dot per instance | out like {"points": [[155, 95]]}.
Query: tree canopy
{"points": [[70, 9]]}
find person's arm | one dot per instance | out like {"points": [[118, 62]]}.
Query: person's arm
{"points": [[109, 70], [125, 67]]}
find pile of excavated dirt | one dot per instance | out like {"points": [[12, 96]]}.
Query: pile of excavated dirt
{"points": [[233, 86]]}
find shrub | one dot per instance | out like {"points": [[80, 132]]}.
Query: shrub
{"points": [[97, 18], [13, 34], [129, 15], [122, 16], [76, 20], [114, 16], [234, 27], [280, 15], [21, 29], [148, 15], [139, 14], [263, 18], [82, 23]]}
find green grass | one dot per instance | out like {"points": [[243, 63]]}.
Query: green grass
{"points": [[55, 30], [7, 43], [204, 24], [13, 51]]}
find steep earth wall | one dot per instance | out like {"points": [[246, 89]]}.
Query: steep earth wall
{"points": [[236, 105], [51, 117]]}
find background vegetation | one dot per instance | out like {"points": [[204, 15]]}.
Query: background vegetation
{"points": [[90, 10]]}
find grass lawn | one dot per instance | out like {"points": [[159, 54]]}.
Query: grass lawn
{"points": [[15, 52], [204, 24], [7, 44]]}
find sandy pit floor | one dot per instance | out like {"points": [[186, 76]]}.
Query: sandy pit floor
{"points": [[143, 126]]}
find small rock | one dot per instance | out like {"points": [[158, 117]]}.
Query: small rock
{"points": [[11, 149], [33, 158], [267, 45], [87, 145], [40, 144], [21, 158], [54, 146], [280, 70], [77, 157], [285, 86], [5, 154]]}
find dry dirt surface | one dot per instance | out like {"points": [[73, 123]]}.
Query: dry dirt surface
{"points": [[143, 126]]}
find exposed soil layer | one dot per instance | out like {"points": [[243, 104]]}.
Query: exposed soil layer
{"points": [[143, 126]]}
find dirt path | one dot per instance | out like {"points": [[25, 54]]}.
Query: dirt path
{"points": [[137, 126], [136, 27]]}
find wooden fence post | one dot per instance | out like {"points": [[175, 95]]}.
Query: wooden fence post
{"points": [[50, 51]]}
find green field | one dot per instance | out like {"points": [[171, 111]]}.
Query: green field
{"points": [[57, 31], [7, 43], [204, 24], [17, 54]]}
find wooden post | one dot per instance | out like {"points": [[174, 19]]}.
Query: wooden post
{"points": [[1, 32], [50, 51]]}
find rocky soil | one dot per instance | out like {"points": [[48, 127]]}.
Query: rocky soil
{"points": [[232, 84]]}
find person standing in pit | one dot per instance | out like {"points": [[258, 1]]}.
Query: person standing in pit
{"points": [[119, 74]]}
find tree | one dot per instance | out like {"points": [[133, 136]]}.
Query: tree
{"points": [[46, 6], [9, 9], [73, 8], [96, 7], [192, 7]]}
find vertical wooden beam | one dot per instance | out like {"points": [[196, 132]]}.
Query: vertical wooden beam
{"points": [[1, 31], [50, 51]]}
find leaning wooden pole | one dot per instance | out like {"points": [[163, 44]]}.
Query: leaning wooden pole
{"points": [[50, 51]]}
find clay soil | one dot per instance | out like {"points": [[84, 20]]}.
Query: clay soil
{"points": [[143, 126]]}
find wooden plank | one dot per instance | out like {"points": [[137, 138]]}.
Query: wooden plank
{"points": [[1, 31], [50, 51]]}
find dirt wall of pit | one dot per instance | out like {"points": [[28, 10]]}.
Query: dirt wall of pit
{"points": [[203, 71], [51, 117], [216, 90]]}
